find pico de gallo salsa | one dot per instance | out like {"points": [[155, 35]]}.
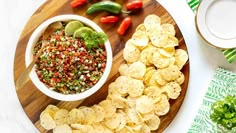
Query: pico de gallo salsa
{"points": [[66, 65]]}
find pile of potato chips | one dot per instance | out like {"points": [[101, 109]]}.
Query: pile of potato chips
{"points": [[140, 95]]}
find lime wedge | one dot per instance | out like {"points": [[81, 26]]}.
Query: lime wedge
{"points": [[72, 26], [82, 32]]}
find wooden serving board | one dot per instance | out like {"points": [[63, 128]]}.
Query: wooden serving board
{"points": [[34, 102]]}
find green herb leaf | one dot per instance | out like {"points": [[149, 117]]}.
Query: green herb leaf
{"points": [[94, 39], [223, 112]]}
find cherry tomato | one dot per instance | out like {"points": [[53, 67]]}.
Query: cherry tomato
{"points": [[77, 3], [124, 25], [109, 19], [134, 5]]}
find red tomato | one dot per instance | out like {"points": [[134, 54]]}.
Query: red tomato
{"points": [[77, 3], [134, 5], [109, 19], [124, 25]]}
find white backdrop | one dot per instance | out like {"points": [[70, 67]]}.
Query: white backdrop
{"points": [[203, 62]]}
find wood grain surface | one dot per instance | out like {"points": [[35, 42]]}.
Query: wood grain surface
{"points": [[34, 102]]}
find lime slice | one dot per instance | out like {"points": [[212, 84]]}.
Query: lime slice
{"points": [[82, 31], [72, 26]]}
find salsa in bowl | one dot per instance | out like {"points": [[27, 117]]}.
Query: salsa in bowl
{"points": [[75, 59]]}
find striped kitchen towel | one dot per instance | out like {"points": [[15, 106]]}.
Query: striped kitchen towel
{"points": [[230, 54], [222, 84]]}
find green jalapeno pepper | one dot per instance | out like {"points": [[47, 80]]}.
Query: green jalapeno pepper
{"points": [[108, 6]]}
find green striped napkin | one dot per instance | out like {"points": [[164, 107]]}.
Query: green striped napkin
{"points": [[230, 54], [223, 84]]}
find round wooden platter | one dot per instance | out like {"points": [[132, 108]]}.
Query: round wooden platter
{"points": [[34, 102]]}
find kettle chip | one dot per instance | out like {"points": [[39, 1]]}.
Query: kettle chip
{"points": [[139, 39], [168, 28], [99, 113], [181, 57], [137, 70], [62, 129], [162, 107], [46, 121], [131, 53], [61, 116], [108, 107], [173, 90]]}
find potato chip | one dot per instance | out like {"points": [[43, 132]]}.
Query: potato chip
{"points": [[148, 76], [114, 121], [141, 27], [123, 121], [99, 113], [89, 113], [171, 41], [125, 130], [135, 127], [172, 61], [152, 22], [180, 79], [51, 109], [120, 86], [162, 107], [47, 121], [144, 104], [152, 80], [108, 107], [153, 92], [152, 19], [168, 28], [132, 116], [170, 73], [155, 38], [62, 129], [106, 129], [160, 61], [60, 116], [146, 55], [153, 123], [131, 53], [83, 128], [123, 69], [136, 88], [137, 70], [144, 129], [173, 90], [76, 131], [147, 116], [139, 39], [117, 100], [98, 127], [112, 89], [159, 78], [75, 116], [167, 52], [181, 58]]}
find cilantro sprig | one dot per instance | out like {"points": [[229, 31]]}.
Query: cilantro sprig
{"points": [[93, 39]]}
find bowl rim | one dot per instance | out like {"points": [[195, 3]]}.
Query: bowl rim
{"points": [[34, 77], [205, 33]]}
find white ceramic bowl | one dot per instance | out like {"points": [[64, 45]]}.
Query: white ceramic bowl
{"points": [[34, 77]]}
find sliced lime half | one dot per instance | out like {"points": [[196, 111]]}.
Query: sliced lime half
{"points": [[82, 32], [72, 26]]}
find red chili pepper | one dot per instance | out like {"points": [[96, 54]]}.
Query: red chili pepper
{"points": [[124, 25], [109, 19], [77, 3], [134, 5]]}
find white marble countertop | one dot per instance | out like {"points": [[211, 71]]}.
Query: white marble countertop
{"points": [[203, 62]]}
